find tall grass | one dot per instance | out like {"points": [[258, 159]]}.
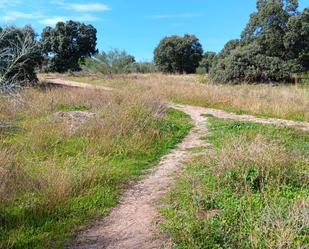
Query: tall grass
{"points": [[54, 178], [282, 101], [251, 192]]}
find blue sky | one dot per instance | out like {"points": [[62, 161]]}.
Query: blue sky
{"points": [[138, 25]]}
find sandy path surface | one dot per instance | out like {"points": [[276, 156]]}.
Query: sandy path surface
{"points": [[250, 118], [130, 223], [63, 82]]}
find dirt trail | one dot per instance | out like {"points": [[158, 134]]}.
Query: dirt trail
{"points": [[250, 118], [130, 223], [63, 82]]}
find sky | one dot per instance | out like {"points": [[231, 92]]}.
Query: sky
{"points": [[137, 26]]}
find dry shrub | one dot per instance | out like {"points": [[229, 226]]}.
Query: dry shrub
{"points": [[259, 164]]}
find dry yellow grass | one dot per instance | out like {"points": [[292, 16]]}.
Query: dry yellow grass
{"points": [[124, 124], [283, 101]]}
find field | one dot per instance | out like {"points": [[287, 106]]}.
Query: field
{"points": [[68, 154], [250, 192], [57, 173], [278, 101]]}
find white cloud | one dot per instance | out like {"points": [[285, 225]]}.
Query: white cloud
{"points": [[52, 21], [88, 7], [14, 15], [82, 7], [186, 16]]}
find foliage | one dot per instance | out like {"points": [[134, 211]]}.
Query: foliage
{"points": [[250, 64], [296, 39], [116, 61], [20, 53], [177, 54], [207, 61], [276, 37], [251, 192], [68, 44]]}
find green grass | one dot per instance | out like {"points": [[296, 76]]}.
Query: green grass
{"points": [[45, 218], [252, 192]]}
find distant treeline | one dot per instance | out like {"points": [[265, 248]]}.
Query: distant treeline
{"points": [[273, 46]]}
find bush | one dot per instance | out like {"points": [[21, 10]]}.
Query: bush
{"points": [[249, 64], [116, 61]]}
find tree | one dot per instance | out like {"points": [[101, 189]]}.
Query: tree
{"points": [[68, 44], [177, 54], [296, 39], [273, 45], [268, 25], [207, 61], [20, 53]]}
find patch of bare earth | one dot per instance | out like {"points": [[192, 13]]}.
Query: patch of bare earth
{"points": [[130, 225], [68, 83]]}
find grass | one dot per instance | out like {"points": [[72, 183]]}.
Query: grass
{"points": [[250, 192], [282, 101], [55, 178]]}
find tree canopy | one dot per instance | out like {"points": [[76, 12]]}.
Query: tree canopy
{"points": [[177, 54], [68, 44], [274, 44]]}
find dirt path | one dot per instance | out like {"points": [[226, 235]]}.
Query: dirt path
{"points": [[250, 118], [130, 224], [63, 82]]}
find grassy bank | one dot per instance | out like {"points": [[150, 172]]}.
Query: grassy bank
{"points": [[282, 101], [58, 173], [250, 192]]}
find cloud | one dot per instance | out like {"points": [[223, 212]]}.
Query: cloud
{"points": [[88, 7], [82, 7], [14, 15], [52, 21], [185, 16]]}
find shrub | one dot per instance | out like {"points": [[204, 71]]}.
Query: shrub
{"points": [[249, 64]]}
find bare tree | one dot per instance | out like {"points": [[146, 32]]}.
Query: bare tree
{"points": [[19, 55]]}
